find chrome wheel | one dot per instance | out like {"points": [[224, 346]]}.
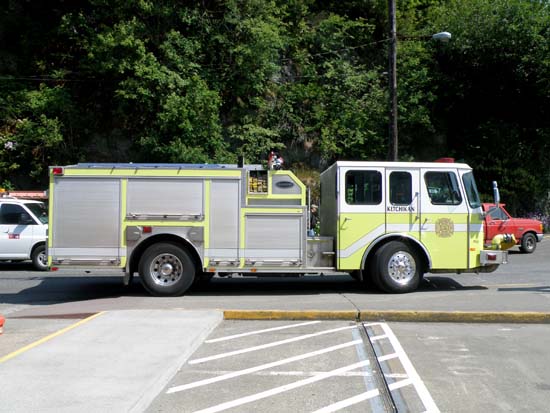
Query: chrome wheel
{"points": [[166, 269], [402, 267]]}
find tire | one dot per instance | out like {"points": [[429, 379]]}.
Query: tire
{"points": [[528, 243], [396, 268], [40, 258], [166, 270]]}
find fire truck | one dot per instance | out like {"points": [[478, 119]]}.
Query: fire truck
{"points": [[385, 223]]}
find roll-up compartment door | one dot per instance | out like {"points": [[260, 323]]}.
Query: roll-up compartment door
{"points": [[86, 221]]}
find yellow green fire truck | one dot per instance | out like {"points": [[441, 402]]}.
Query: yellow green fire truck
{"points": [[387, 223]]}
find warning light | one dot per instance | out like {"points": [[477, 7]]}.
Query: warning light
{"points": [[147, 230], [57, 171]]}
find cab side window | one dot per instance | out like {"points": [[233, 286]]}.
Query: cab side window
{"points": [[443, 188], [363, 187], [498, 214], [10, 214], [400, 188]]}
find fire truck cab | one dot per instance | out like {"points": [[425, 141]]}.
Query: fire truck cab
{"points": [[384, 222]]}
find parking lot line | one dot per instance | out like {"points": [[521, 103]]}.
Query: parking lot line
{"points": [[268, 345], [415, 379], [349, 402], [282, 389], [266, 330], [48, 338], [255, 369]]}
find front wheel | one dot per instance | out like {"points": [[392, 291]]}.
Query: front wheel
{"points": [[397, 268], [39, 258], [166, 270], [528, 243]]}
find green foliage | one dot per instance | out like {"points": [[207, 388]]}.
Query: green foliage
{"points": [[166, 81]]}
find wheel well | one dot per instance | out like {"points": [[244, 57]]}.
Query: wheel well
{"points": [[410, 242], [35, 246], [527, 233], [168, 238]]}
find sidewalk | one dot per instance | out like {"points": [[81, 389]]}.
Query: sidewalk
{"points": [[114, 361]]}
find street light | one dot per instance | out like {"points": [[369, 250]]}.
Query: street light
{"points": [[392, 75]]}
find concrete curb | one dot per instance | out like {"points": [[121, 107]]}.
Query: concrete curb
{"points": [[394, 315]]}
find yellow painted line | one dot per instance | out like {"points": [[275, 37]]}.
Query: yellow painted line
{"points": [[48, 338], [289, 315], [528, 317]]}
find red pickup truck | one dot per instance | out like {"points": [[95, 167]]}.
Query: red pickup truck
{"points": [[498, 221]]}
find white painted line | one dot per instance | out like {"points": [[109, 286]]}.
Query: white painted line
{"points": [[349, 402], [295, 373], [380, 337], [398, 384], [250, 333], [281, 389], [269, 345], [388, 357], [417, 382], [255, 369]]}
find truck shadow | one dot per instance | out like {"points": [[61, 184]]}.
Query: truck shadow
{"points": [[51, 289]]}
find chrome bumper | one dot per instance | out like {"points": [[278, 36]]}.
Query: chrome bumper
{"points": [[491, 257], [540, 237]]}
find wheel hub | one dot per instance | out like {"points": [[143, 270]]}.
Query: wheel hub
{"points": [[166, 269], [402, 267]]}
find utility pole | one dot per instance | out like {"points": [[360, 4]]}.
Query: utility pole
{"points": [[392, 76]]}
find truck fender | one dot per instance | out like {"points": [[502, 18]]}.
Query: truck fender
{"points": [[384, 239], [138, 250]]}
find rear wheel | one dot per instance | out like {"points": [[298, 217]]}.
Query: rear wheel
{"points": [[397, 268], [39, 258], [528, 243], [166, 270]]}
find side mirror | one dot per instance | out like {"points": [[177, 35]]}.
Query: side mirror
{"points": [[496, 193]]}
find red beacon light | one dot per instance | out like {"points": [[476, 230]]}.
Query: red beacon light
{"points": [[57, 171], [445, 160]]}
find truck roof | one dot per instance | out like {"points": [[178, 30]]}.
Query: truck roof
{"points": [[387, 164], [131, 165]]}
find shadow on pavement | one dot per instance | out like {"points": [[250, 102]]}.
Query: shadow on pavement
{"points": [[537, 289], [52, 288]]}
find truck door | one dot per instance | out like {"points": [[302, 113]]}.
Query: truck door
{"points": [[403, 201], [361, 213], [16, 231], [444, 218]]}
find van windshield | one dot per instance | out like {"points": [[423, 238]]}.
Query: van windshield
{"points": [[40, 210], [471, 190]]}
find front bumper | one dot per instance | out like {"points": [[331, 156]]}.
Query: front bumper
{"points": [[491, 257], [540, 237]]}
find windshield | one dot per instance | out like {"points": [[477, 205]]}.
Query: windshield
{"points": [[471, 190], [39, 210]]}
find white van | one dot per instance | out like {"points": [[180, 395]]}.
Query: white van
{"points": [[23, 231]]}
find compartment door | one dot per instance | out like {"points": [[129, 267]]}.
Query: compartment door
{"points": [[223, 248], [86, 222]]}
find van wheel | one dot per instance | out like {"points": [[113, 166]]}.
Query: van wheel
{"points": [[528, 243], [397, 268], [39, 258], [166, 270]]}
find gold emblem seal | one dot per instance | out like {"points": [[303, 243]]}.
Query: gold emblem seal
{"points": [[444, 227]]}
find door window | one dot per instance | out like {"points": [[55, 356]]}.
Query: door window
{"points": [[498, 214], [400, 188], [363, 187], [11, 214], [443, 188]]}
